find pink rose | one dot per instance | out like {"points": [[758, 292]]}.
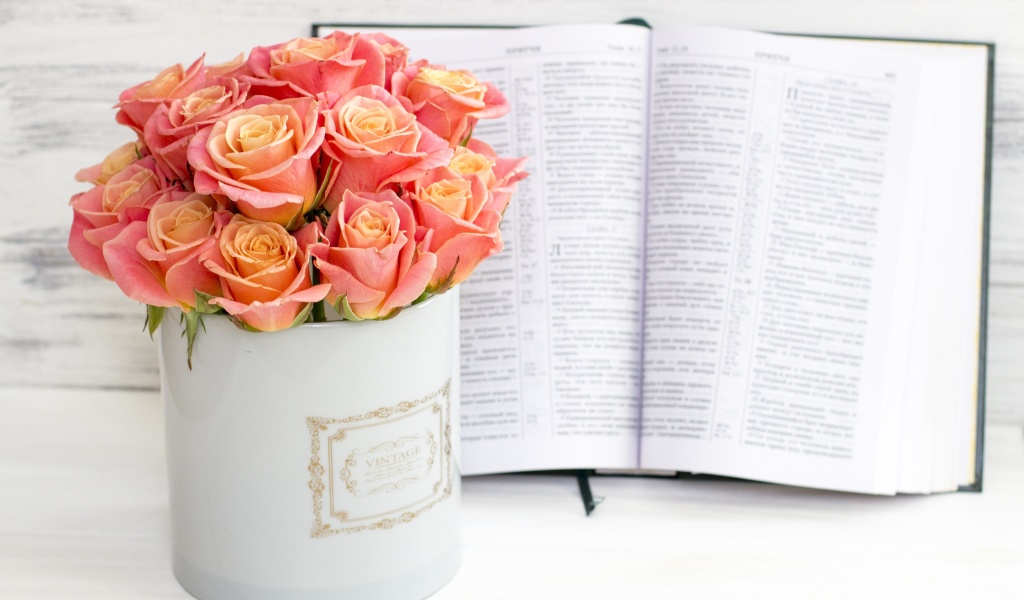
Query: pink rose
{"points": [[466, 162], [376, 141], [264, 273], [396, 55], [113, 164], [157, 262], [103, 211], [232, 69], [449, 103], [170, 129], [138, 103], [460, 212], [336, 63], [371, 256], [499, 174], [263, 159]]}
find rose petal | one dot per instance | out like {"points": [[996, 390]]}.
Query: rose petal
{"points": [[138, 278], [411, 284], [88, 255], [463, 253], [187, 275], [276, 315]]}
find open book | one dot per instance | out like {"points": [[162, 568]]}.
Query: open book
{"points": [[737, 253]]}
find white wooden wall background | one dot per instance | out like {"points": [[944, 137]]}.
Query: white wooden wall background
{"points": [[62, 64]]}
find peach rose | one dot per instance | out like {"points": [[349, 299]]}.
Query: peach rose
{"points": [[336, 63], [376, 141], [103, 211], [371, 258], [499, 174], [396, 55], [461, 215], [234, 68], [262, 159], [449, 103], [466, 162], [157, 262], [168, 132], [114, 163], [138, 103], [264, 273]]}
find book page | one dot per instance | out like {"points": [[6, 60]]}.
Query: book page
{"points": [[940, 420], [551, 326], [943, 377], [778, 182]]}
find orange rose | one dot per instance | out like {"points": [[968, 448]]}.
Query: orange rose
{"points": [[171, 128], [460, 213], [264, 273], [336, 64], [263, 159], [104, 211], [158, 262], [375, 141], [448, 103], [114, 163], [140, 102]]}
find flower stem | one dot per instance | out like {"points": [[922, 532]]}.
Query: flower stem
{"points": [[318, 307]]}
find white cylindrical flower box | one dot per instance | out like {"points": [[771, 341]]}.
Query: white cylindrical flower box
{"points": [[315, 462]]}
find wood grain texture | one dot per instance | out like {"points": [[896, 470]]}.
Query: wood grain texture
{"points": [[62, 65], [84, 515]]}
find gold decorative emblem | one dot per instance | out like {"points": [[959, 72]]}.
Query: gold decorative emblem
{"points": [[383, 467]]}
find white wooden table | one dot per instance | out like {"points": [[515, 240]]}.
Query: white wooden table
{"points": [[83, 514]]}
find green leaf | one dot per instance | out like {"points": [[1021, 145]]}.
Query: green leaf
{"points": [[138, 153], [465, 140], [154, 315], [297, 221], [193, 320], [345, 309], [316, 212], [242, 324], [319, 315], [446, 284], [320, 193], [203, 305], [391, 315], [426, 294], [303, 316]]}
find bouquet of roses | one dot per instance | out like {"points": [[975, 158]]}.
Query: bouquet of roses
{"points": [[322, 170]]}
